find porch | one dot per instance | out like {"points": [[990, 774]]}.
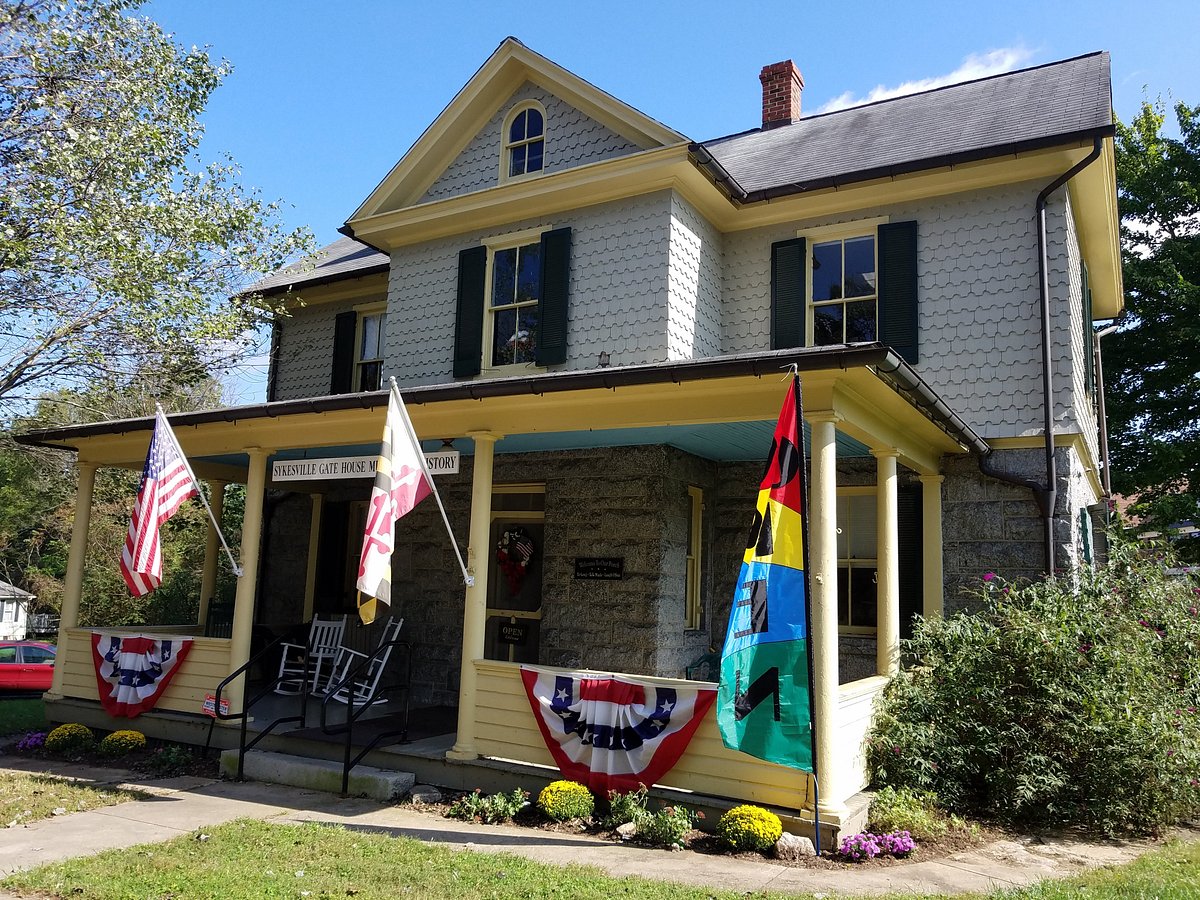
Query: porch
{"points": [[864, 402]]}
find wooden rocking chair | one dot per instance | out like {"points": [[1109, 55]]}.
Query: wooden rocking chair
{"points": [[361, 688], [324, 643]]}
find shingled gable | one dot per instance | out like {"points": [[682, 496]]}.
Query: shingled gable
{"points": [[510, 66]]}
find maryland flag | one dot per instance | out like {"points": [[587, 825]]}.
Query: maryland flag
{"points": [[763, 704], [401, 482]]}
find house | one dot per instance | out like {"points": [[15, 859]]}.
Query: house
{"points": [[14, 611], [598, 313]]}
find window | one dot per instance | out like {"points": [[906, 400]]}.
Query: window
{"points": [[843, 290], [368, 367], [524, 141], [856, 552], [692, 605], [37, 655], [511, 326], [8, 610]]}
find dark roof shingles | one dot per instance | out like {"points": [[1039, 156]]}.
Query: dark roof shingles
{"points": [[344, 257], [1030, 105]]}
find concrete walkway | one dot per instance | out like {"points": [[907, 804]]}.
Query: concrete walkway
{"points": [[182, 805]]}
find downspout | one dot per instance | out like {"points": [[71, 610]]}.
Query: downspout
{"points": [[1045, 494], [1102, 413]]}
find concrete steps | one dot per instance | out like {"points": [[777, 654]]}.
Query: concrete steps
{"points": [[318, 774]]}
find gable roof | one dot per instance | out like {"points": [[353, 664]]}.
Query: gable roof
{"points": [[344, 258], [1016, 111], [510, 66], [12, 592]]}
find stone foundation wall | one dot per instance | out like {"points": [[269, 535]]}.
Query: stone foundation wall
{"points": [[992, 526]]}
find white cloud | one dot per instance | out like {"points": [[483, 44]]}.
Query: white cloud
{"points": [[977, 65]]}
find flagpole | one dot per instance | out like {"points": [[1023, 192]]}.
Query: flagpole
{"points": [[237, 570], [812, 718], [468, 578]]}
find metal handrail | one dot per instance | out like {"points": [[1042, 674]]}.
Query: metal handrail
{"points": [[353, 716], [244, 714]]}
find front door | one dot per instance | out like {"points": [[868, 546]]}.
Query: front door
{"points": [[515, 575]]}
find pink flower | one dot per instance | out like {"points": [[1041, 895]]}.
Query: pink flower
{"points": [[989, 576]]}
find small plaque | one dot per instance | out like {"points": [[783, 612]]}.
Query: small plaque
{"points": [[600, 568], [513, 632]]}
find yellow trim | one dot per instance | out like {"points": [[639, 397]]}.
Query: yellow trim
{"points": [[693, 607], [1094, 201], [464, 117], [371, 307], [843, 230], [512, 488], [495, 244]]}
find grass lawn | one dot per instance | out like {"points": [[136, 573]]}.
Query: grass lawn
{"points": [[254, 860], [20, 716], [26, 798]]}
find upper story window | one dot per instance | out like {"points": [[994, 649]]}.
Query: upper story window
{"points": [[368, 363], [512, 305], [524, 141], [843, 295]]}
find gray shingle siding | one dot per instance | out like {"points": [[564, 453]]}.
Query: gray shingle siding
{"points": [[980, 334], [618, 290], [306, 349], [694, 326], [572, 139]]}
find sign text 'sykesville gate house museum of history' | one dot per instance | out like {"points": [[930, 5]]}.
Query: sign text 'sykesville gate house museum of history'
{"points": [[597, 314]]}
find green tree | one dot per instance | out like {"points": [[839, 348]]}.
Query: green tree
{"points": [[1152, 364], [120, 251]]}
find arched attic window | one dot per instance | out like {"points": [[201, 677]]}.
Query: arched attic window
{"points": [[524, 141]]}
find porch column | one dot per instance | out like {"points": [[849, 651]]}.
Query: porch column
{"points": [[73, 583], [475, 607], [887, 566], [314, 541], [212, 547], [822, 498], [933, 584], [243, 603]]}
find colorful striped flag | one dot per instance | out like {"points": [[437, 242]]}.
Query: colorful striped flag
{"points": [[400, 484], [166, 482], [764, 701]]}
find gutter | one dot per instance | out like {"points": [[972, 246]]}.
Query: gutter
{"points": [[1046, 494], [888, 366], [704, 159]]}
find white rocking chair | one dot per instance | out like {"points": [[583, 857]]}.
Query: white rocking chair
{"points": [[363, 686], [324, 641]]}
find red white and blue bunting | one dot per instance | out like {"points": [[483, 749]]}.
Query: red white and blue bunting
{"points": [[133, 670], [613, 733]]}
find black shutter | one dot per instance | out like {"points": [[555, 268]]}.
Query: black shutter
{"points": [[273, 370], [788, 302], [552, 297], [898, 288], [344, 327], [468, 316], [910, 540]]}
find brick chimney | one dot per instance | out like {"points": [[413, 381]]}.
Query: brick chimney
{"points": [[781, 87]]}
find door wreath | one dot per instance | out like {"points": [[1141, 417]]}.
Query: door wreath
{"points": [[514, 551]]}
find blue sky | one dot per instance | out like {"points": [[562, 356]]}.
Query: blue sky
{"points": [[326, 96]]}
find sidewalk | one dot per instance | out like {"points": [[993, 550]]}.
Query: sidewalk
{"points": [[180, 806]]}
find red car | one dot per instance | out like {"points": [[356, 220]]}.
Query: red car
{"points": [[26, 665]]}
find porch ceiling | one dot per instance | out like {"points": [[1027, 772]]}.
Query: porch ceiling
{"points": [[719, 408]]}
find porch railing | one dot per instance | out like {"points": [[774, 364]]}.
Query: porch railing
{"points": [[355, 711]]}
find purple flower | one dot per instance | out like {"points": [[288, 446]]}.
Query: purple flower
{"points": [[33, 740], [897, 843], [989, 576]]}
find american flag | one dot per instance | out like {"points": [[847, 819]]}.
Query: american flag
{"points": [[166, 482]]}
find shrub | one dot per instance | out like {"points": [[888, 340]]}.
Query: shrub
{"points": [[667, 827], [865, 845], [563, 800], [170, 760], [749, 828], [624, 808], [491, 809], [918, 813], [32, 742], [122, 743], [70, 739], [1072, 701]]}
